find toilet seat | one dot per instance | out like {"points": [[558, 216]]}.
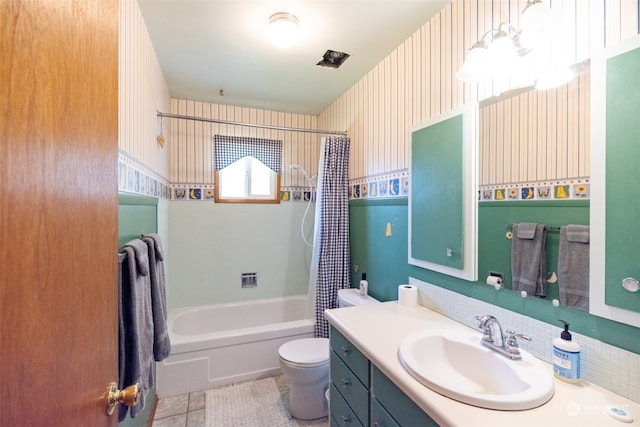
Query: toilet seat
{"points": [[305, 352]]}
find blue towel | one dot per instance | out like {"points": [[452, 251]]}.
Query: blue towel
{"points": [[529, 258], [136, 323], [161, 342], [573, 266]]}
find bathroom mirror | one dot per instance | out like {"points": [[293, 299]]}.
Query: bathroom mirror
{"points": [[534, 166], [442, 200], [615, 93]]}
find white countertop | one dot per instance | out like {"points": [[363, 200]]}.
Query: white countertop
{"points": [[378, 329]]}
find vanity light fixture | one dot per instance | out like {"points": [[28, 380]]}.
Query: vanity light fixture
{"points": [[284, 29], [499, 49]]}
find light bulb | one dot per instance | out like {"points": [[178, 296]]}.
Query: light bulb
{"points": [[283, 29], [475, 64], [501, 54]]}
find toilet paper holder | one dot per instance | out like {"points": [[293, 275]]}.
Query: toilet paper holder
{"points": [[495, 279]]}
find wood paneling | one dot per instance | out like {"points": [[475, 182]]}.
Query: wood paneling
{"points": [[58, 211]]}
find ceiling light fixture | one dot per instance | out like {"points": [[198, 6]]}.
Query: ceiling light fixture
{"points": [[498, 50], [283, 29]]}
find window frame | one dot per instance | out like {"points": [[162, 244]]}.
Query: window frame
{"points": [[248, 199]]}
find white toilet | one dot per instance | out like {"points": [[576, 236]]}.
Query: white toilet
{"points": [[305, 362]]}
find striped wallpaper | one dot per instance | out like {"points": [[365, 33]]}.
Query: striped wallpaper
{"points": [[191, 141], [536, 135], [143, 91], [412, 84], [417, 81]]}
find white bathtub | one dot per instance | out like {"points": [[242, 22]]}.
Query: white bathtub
{"points": [[220, 344]]}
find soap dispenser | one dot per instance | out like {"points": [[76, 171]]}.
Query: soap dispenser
{"points": [[566, 356], [364, 285]]}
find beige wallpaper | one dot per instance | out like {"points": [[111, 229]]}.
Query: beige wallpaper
{"points": [[417, 81], [191, 141], [143, 92], [412, 84]]}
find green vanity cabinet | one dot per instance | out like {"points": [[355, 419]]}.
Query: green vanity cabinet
{"points": [[349, 373], [391, 407], [361, 395]]}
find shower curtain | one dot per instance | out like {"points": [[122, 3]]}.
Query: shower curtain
{"points": [[330, 257]]}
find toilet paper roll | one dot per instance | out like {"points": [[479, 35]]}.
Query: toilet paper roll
{"points": [[494, 281], [408, 295]]}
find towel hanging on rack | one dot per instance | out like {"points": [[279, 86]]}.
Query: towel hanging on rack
{"points": [[136, 353], [161, 342], [529, 258], [573, 266]]}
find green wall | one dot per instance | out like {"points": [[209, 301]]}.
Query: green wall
{"points": [[495, 219], [137, 215], [212, 244], [385, 262], [382, 257]]}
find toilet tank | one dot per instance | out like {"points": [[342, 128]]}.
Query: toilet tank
{"points": [[350, 297]]}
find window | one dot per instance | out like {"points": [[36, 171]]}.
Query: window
{"points": [[247, 170]]}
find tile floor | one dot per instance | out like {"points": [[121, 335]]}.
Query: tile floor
{"points": [[187, 410]]}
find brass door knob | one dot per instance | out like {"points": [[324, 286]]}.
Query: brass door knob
{"points": [[127, 397]]}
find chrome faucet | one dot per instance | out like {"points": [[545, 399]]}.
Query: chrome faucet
{"points": [[494, 338]]}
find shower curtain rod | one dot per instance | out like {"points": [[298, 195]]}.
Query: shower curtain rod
{"points": [[225, 122]]}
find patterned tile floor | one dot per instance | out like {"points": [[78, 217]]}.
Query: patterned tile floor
{"points": [[188, 410]]}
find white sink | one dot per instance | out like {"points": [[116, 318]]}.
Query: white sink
{"points": [[455, 364]]}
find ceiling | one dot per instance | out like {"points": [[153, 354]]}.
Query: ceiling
{"points": [[209, 46]]}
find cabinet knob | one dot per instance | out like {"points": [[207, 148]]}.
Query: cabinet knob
{"points": [[379, 424], [346, 350], [346, 382], [346, 418]]}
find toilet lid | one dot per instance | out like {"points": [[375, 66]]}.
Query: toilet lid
{"points": [[306, 351]]}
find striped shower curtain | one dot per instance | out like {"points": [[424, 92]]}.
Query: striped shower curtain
{"points": [[330, 258]]}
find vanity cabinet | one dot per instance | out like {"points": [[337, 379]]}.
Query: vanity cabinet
{"points": [[349, 373], [391, 407], [361, 395]]}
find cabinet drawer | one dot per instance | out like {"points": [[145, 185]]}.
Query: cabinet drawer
{"points": [[341, 412], [380, 417], [403, 410], [351, 356], [350, 387]]}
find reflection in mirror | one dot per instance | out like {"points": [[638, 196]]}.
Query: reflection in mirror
{"points": [[534, 169]]}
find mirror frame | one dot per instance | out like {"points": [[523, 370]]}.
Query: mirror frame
{"points": [[469, 271], [597, 305]]}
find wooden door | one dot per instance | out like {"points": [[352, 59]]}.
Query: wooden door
{"points": [[58, 211]]}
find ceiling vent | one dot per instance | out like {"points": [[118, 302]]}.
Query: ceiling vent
{"points": [[333, 59]]}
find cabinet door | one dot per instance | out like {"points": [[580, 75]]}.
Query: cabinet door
{"points": [[350, 355], [380, 417], [341, 413], [349, 386], [403, 410], [443, 198]]}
